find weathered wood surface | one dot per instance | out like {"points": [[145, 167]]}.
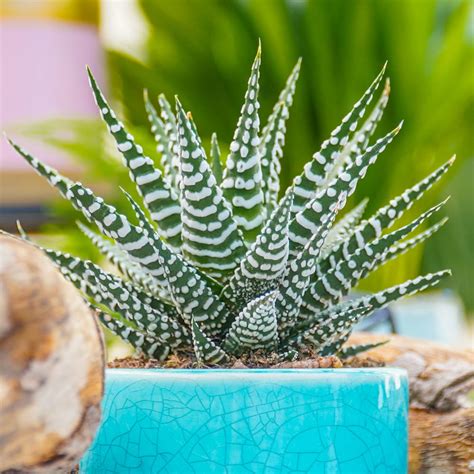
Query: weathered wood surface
{"points": [[441, 415], [51, 364]]}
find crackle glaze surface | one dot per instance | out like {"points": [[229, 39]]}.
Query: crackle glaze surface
{"points": [[252, 421]]}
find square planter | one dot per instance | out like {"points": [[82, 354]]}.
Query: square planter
{"points": [[252, 421]]}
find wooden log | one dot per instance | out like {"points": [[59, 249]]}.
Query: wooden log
{"points": [[51, 364], [441, 414]]}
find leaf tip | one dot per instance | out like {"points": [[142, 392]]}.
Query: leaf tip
{"points": [[21, 231], [177, 101], [89, 73], [445, 201]]}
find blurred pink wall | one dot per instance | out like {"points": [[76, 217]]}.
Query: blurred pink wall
{"points": [[43, 76]]}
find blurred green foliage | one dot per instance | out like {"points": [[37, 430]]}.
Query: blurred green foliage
{"points": [[202, 51]]}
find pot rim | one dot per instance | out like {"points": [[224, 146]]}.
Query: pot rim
{"points": [[344, 371]]}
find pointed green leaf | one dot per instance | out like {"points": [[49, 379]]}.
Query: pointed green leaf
{"points": [[351, 351], [254, 328], [382, 298], [402, 247], [307, 309], [242, 176], [285, 97], [273, 140], [211, 239], [207, 352], [171, 130], [329, 330], [305, 223], [110, 222], [308, 183], [343, 228], [142, 342], [376, 301], [123, 298], [158, 196], [382, 219], [163, 145], [271, 153], [337, 282], [264, 263], [334, 327], [189, 290], [360, 140], [333, 347], [119, 258], [298, 275], [216, 159]]}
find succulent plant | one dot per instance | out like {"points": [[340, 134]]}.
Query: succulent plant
{"points": [[215, 261]]}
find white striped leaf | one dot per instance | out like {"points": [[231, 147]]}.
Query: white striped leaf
{"points": [[158, 196], [163, 145], [334, 327], [307, 309], [215, 156], [337, 282], [189, 291], [273, 140], [402, 247], [134, 306], [271, 153], [343, 228], [305, 222], [206, 350], [264, 263], [110, 222], [254, 328], [142, 342], [242, 175], [360, 140], [351, 351], [119, 258], [211, 238], [171, 129], [314, 173], [376, 301], [330, 326], [298, 276], [382, 219]]}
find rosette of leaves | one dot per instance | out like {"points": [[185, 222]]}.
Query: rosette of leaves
{"points": [[215, 262]]}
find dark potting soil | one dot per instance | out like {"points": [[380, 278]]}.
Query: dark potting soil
{"points": [[254, 361]]}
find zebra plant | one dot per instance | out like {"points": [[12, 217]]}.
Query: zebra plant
{"points": [[215, 262]]}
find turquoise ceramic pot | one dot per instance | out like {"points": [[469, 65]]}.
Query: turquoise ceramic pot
{"points": [[252, 421]]}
